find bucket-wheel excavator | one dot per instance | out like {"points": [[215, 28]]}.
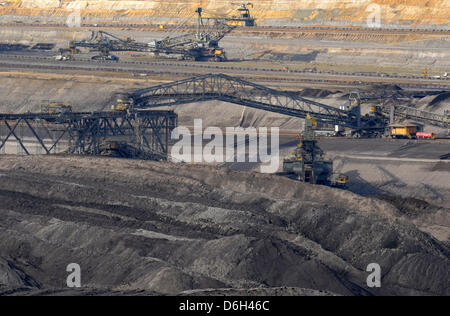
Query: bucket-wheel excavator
{"points": [[203, 45]]}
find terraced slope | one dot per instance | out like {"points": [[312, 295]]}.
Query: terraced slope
{"points": [[269, 12]]}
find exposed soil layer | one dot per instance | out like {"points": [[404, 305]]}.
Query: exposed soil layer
{"points": [[162, 228], [268, 12]]}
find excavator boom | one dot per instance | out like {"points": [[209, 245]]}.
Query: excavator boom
{"points": [[202, 45]]}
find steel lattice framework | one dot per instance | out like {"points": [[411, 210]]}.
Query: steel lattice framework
{"points": [[84, 133], [405, 112], [235, 90]]}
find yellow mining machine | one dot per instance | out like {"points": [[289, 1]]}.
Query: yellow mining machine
{"points": [[403, 130], [55, 108], [244, 18]]}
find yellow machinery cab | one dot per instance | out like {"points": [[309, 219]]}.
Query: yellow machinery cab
{"points": [[244, 18], [403, 130]]}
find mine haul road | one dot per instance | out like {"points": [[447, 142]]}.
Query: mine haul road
{"points": [[32, 61]]}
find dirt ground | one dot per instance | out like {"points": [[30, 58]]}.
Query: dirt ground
{"points": [[148, 228], [139, 227]]}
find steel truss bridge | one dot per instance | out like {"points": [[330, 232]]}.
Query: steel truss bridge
{"points": [[225, 88], [235, 90], [149, 130], [86, 133], [403, 112]]}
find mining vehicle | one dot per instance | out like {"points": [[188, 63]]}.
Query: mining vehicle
{"points": [[203, 45], [123, 102], [308, 163], [54, 108], [244, 18], [407, 131]]}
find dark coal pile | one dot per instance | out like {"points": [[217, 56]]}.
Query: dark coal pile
{"points": [[159, 228]]}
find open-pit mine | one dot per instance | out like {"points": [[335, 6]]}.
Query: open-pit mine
{"points": [[204, 148]]}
